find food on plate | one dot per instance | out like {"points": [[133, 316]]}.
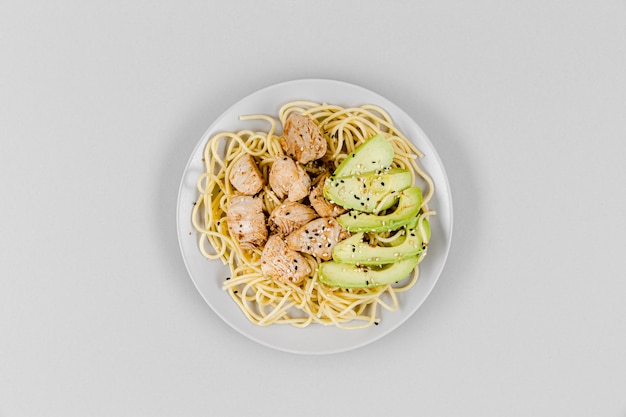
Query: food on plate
{"points": [[245, 175], [288, 179], [356, 250], [287, 217], [343, 275], [370, 192], [302, 139], [246, 221], [318, 237], [409, 203], [281, 263], [323, 222], [374, 154], [323, 206]]}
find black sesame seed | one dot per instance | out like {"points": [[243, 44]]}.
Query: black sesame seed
{"points": [[287, 214], [382, 183], [295, 267], [376, 323]]}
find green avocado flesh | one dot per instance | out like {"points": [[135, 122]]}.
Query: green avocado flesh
{"points": [[369, 192], [376, 153], [342, 275], [354, 251], [409, 205]]}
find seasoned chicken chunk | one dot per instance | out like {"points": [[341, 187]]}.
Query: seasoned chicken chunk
{"points": [[302, 139], [318, 237], [246, 221], [322, 206], [289, 179], [287, 217], [281, 263], [245, 175]]}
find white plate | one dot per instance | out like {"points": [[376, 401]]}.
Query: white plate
{"points": [[209, 275]]}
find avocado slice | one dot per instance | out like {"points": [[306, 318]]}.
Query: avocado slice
{"points": [[342, 275], [354, 251], [370, 192], [414, 224], [409, 205], [376, 153]]}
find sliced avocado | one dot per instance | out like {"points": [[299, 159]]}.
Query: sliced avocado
{"points": [[408, 206], [370, 192], [414, 224], [354, 251], [376, 153], [342, 275]]}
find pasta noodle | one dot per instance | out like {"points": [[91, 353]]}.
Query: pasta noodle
{"points": [[263, 300]]}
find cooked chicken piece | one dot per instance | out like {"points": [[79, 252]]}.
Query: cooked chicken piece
{"points": [[302, 139], [289, 179], [246, 221], [245, 175], [322, 206], [287, 217], [317, 168], [281, 263], [318, 237]]}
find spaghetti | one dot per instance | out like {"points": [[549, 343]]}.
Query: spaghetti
{"points": [[265, 301]]}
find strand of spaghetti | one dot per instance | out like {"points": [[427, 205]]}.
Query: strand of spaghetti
{"points": [[347, 126], [278, 310], [394, 305], [271, 121], [369, 320], [354, 305], [295, 103], [383, 114], [322, 112], [372, 121]]}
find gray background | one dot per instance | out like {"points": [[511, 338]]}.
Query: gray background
{"points": [[102, 103]]}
